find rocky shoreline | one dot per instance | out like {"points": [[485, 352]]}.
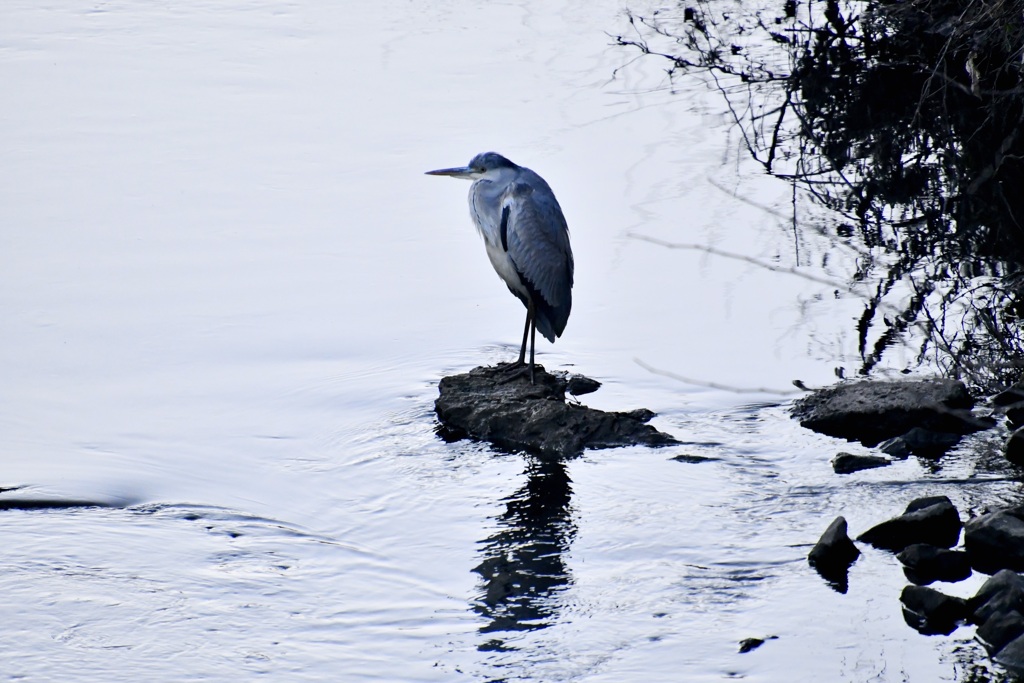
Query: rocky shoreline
{"points": [[927, 418]]}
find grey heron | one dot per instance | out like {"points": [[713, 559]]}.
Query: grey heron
{"points": [[527, 241]]}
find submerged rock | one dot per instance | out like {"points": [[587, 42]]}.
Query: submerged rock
{"points": [[926, 443], [931, 612], [751, 644], [931, 520], [499, 405], [847, 463], [872, 411]]}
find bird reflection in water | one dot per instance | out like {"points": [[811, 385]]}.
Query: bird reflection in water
{"points": [[523, 565]]}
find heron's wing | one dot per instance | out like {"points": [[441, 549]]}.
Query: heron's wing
{"points": [[536, 237]]}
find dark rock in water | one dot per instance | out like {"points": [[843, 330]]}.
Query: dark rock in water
{"points": [[750, 644], [870, 412], [579, 385], [1015, 394], [1001, 594], [931, 520], [641, 414], [1011, 656], [930, 612], [1015, 447], [833, 554], [501, 406], [998, 631], [919, 441], [924, 564], [50, 504], [692, 459], [1015, 416], [996, 541], [847, 463]]}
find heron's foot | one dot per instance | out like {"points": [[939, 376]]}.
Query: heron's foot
{"points": [[514, 371]]}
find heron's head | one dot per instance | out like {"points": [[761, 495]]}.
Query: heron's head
{"points": [[483, 166]]}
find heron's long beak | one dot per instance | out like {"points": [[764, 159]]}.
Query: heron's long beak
{"points": [[460, 172]]}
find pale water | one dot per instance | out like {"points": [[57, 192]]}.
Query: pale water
{"points": [[227, 293]]}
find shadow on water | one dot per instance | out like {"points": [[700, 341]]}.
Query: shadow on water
{"points": [[523, 565]]}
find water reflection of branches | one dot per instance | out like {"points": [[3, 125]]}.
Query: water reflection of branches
{"points": [[523, 565], [905, 119]]}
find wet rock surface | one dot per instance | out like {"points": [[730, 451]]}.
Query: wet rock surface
{"points": [[1015, 447], [932, 612], [924, 564], [873, 411], [994, 543], [998, 609], [932, 520], [922, 442], [498, 404], [995, 540], [848, 463], [1001, 594], [833, 554]]}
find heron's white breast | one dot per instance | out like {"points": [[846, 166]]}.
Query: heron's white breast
{"points": [[504, 267]]}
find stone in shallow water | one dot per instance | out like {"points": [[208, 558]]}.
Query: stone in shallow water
{"points": [[1000, 630], [996, 541], [848, 463], [1002, 593], [931, 612], [833, 554], [926, 443], [924, 564], [931, 520], [499, 405], [872, 411]]}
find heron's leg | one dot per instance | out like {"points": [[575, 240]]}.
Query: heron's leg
{"points": [[526, 331], [533, 346]]}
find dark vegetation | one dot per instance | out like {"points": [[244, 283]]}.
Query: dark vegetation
{"points": [[907, 120]]}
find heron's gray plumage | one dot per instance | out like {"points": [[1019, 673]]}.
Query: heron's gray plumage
{"points": [[526, 238]]}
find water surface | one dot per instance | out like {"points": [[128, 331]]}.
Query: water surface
{"points": [[227, 293]]}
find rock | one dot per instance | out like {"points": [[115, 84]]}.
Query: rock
{"points": [[578, 385], [1014, 394], [931, 520], [998, 631], [750, 644], [641, 414], [691, 459], [1014, 449], [919, 441], [833, 554], [1001, 594], [846, 463], [1011, 656], [924, 564], [930, 612], [1015, 416], [496, 405], [872, 411], [996, 541]]}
